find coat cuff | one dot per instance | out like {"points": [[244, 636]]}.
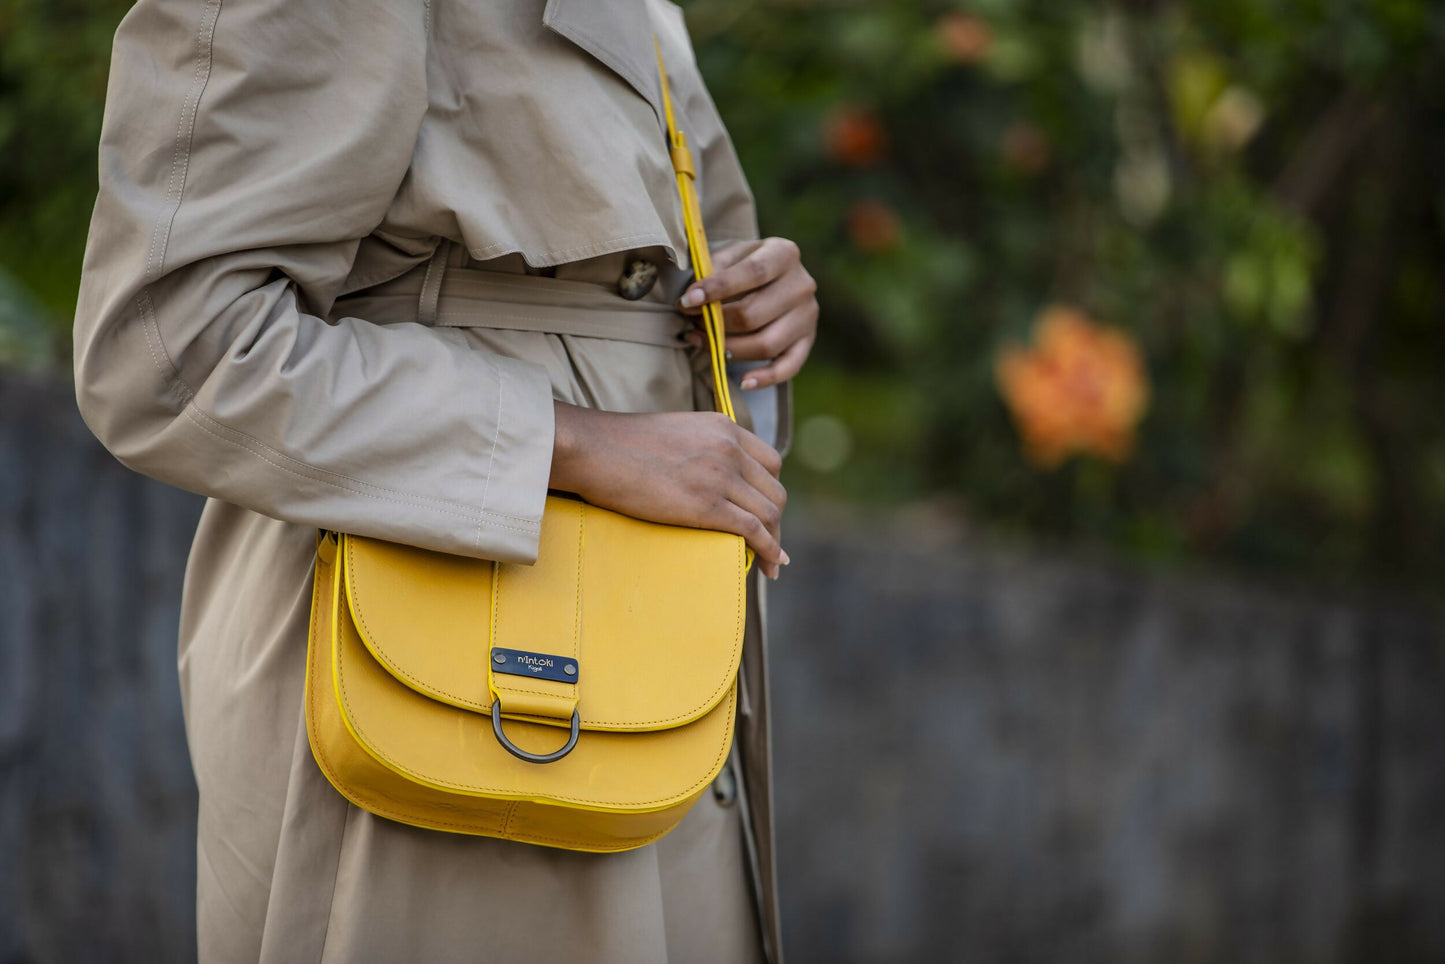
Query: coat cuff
{"points": [[517, 463]]}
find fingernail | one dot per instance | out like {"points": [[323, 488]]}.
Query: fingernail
{"points": [[749, 384], [785, 559], [692, 299]]}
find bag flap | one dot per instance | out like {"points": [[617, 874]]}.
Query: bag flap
{"points": [[651, 617]]}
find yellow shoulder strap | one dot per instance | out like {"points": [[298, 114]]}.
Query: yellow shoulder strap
{"points": [[712, 314]]}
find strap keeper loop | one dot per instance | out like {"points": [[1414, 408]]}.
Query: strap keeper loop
{"points": [[682, 161]]}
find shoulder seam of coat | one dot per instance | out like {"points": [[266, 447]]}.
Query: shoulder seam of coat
{"points": [[175, 187], [185, 134]]}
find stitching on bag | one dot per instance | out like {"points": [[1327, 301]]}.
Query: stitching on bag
{"points": [[631, 725], [388, 662], [577, 607], [316, 743], [568, 799], [318, 747], [346, 699], [324, 761], [356, 799], [405, 770], [577, 603], [507, 820]]}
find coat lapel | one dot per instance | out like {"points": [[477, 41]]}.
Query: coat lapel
{"points": [[618, 33]]}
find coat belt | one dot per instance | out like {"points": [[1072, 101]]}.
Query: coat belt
{"points": [[448, 296]]}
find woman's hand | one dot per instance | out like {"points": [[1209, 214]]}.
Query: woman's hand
{"points": [[684, 468], [768, 306]]}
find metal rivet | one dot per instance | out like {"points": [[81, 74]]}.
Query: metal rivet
{"points": [[570, 670], [499, 658]]}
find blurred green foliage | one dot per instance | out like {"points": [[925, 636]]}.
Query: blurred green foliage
{"points": [[54, 58], [1249, 188]]}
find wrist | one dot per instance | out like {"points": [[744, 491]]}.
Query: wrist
{"points": [[569, 440]]}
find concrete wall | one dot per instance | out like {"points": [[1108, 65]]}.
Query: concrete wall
{"points": [[1001, 758], [97, 802], [983, 756]]}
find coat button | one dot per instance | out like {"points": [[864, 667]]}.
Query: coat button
{"points": [[725, 787], [637, 279]]}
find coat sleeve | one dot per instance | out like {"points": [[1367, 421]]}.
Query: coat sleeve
{"points": [[246, 150]]}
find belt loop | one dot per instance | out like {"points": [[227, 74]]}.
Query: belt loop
{"points": [[431, 285]]}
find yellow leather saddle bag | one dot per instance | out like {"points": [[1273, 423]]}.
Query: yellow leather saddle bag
{"points": [[584, 702], [426, 671]]}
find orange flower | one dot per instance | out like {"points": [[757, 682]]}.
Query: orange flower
{"points": [[965, 39], [872, 226], [1079, 387], [1025, 148], [853, 136]]}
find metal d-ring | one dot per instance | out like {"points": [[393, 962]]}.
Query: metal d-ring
{"points": [[522, 754]]}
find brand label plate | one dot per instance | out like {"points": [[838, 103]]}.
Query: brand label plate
{"points": [[519, 662]]}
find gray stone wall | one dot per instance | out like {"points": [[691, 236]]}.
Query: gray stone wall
{"points": [[982, 755], [97, 802], [999, 758]]}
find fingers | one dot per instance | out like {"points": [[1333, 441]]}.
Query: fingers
{"points": [[766, 484], [730, 254], [765, 543], [752, 501], [760, 308], [768, 513], [761, 452], [768, 261], [770, 342], [764, 498], [784, 367]]}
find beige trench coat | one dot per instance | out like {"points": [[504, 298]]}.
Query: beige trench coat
{"points": [[268, 167]]}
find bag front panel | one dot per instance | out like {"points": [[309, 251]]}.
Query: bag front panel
{"points": [[362, 779], [656, 629], [455, 749]]}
